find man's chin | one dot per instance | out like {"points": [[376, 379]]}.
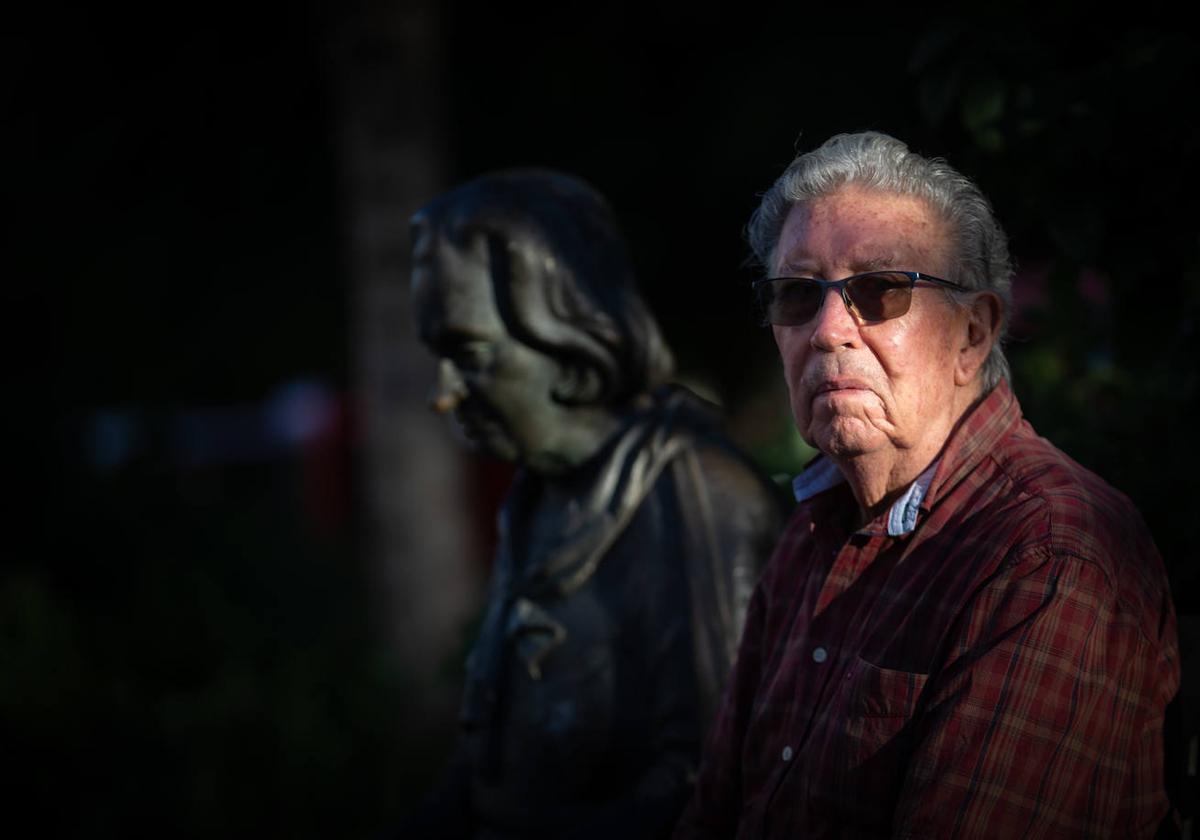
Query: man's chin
{"points": [[848, 438]]}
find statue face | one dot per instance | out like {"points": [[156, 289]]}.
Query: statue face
{"points": [[498, 388]]}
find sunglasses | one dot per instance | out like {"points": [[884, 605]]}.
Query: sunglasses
{"points": [[874, 296]]}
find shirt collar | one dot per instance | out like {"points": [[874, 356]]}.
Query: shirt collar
{"points": [[980, 430], [819, 475], [902, 518], [822, 474], [977, 437]]}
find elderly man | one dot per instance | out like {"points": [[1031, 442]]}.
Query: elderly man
{"points": [[962, 632], [629, 542]]}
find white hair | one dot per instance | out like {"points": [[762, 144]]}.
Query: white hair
{"points": [[880, 162]]}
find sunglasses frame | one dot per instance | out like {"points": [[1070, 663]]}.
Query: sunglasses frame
{"points": [[842, 285]]}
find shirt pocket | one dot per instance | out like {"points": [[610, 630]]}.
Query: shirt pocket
{"points": [[880, 705], [865, 743]]}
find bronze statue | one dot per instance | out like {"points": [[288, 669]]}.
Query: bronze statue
{"points": [[629, 541]]}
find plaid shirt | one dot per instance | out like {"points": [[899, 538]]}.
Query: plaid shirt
{"points": [[994, 664]]}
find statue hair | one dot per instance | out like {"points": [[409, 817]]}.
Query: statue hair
{"points": [[879, 162], [563, 279]]}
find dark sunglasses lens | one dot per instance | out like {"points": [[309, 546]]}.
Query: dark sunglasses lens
{"points": [[880, 296], [789, 303]]}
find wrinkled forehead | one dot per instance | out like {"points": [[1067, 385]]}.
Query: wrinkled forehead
{"points": [[855, 229]]}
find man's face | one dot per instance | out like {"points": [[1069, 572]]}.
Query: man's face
{"points": [[497, 387], [858, 388]]}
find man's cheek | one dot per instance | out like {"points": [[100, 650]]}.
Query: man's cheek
{"points": [[802, 413]]}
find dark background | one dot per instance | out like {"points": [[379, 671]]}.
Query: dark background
{"points": [[178, 251]]}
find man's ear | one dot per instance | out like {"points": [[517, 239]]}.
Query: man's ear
{"points": [[985, 313]]}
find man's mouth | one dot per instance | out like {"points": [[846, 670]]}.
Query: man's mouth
{"points": [[840, 384]]}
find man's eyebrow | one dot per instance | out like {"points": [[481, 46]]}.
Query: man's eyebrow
{"points": [[860, 265], [791, 269], [875, 263]]}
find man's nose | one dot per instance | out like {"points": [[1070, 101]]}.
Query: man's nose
{"points": [[835, 324], [449, 390]]}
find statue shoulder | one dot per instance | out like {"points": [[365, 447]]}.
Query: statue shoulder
{"points": [[714, 462]]}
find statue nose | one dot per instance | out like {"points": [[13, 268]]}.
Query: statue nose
{"points": [[449, 390]]}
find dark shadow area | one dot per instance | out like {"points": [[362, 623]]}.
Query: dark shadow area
{"points": [[187, 634]]}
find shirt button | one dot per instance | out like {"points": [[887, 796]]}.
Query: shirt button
{"points": [[787, 753], [820, 655]]}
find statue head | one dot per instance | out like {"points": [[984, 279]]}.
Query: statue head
{"points": [[524, 290]]}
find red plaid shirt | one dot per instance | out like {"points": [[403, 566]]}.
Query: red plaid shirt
{"points": [[1000, 670]]}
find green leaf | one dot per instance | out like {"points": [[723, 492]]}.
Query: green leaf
{"points": [[983, 104]]}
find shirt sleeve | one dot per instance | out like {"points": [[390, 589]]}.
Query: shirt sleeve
{"points": [[1046, 719]]}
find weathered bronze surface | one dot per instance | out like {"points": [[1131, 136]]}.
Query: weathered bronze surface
{"points": [[629, 541]]}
